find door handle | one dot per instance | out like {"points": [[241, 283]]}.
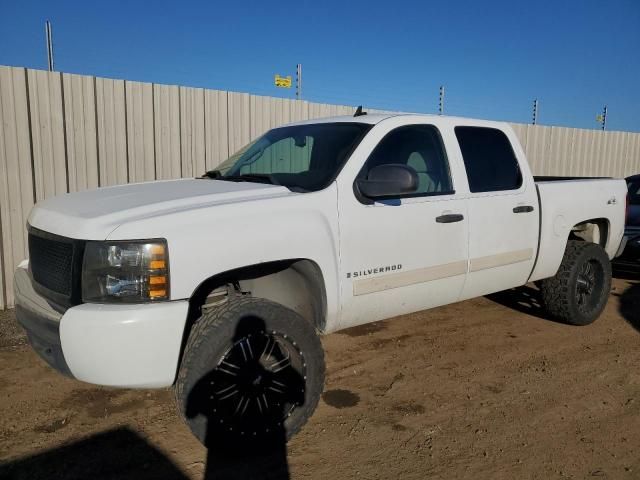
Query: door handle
{"points": [[450, 218], [523, 209]]}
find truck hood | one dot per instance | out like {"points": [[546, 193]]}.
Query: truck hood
{"points": [[94, 214]]}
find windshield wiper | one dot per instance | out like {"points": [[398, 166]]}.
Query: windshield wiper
{"points": [[213, 174], [244, 177]]}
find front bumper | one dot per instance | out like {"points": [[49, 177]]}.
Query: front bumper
{"points": [[40, 321], [115, 345]]}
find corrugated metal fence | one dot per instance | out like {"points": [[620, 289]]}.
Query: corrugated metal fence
{"points": [[63, 133]]}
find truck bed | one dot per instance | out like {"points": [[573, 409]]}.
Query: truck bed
{"points": [[567, 201]]}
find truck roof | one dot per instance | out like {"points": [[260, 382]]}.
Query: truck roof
{"points": [[374, 118]]}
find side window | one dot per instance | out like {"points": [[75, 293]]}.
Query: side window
{"points": [[489, 160], [420, 147]]}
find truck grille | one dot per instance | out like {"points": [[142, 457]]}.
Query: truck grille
{"points": [[51, 259]]}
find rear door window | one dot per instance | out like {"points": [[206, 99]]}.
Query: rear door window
{"points": [[489, 159]]}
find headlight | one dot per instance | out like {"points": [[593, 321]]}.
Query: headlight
{"points": [[125, 271]]}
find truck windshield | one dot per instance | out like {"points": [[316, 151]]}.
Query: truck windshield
{"points": [[303, 158]]}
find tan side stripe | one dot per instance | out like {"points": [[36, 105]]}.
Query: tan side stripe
{"points": [[411, 277], [492, 261]]}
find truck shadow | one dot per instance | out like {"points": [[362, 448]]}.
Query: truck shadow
{"points": [[524, 299], [115, 454], [122, 454], [625, 274], [527, 300], [629, 306]]}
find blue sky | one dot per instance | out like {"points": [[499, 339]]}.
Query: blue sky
{"points": [[494, 57]]}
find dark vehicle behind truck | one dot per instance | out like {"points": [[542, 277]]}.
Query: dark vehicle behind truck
{"points": [[629, 261]]}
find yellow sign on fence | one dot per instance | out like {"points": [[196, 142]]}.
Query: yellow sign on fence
{"points": [[283, 82]]}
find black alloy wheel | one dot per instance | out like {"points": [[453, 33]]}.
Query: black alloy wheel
{"points": [[252, 371], [258, 383]]}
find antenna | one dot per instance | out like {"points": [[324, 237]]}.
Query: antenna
{"points": [[359, 112], [47, 29], [535, 111], [299, 81], [441, 102]]}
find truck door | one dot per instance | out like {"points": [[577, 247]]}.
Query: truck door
{"points": [[400, 255], [503, 211]]}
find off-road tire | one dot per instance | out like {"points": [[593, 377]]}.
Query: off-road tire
{"points": [[212, 336], [561, 294]]}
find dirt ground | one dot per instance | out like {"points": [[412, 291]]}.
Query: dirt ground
{"points": [[487, 388]]}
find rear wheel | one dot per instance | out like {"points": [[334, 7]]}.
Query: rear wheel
{"points": [[579, 291], [252, 370]]}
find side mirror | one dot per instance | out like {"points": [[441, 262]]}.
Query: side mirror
{"points": [[390, 180]]}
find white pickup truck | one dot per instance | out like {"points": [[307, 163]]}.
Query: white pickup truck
{"points": [[220, 285]]}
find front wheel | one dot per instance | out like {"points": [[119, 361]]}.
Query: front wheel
{"points": [[579, 291], [252, 370]]}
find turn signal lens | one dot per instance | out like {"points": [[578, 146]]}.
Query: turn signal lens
{"points": [[157, 294], [155, 264], [158, 286]]}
